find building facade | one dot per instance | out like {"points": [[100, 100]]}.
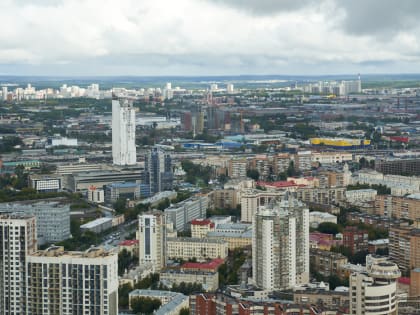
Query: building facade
{"points": [[152, 235], [374, 291], [158, 171], [280, 245], [17, 241], [70, 283], [123, 132], [52, 217]]}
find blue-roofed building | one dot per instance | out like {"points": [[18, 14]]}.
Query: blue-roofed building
{"points": [[172, 302]]}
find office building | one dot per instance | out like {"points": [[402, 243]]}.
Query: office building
{"points": [[152, 235], [123, 132], [115, 191], [182, 213], [230, 88], [69, 283], [374, 290], [408, 167], [17, 241], [158, 171], [52, 217], [45, 183], [280, 245]]}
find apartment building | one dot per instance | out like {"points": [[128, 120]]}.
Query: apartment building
{"points": [[61, 282], [199, 248], [326, 263], [17, 241], [280, 245]]}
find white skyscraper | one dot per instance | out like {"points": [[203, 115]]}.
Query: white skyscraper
{"points": [[152, 236], [4, 93], [123, 132], [280, 245], [17, 241], [69, 283], [229, 88]]}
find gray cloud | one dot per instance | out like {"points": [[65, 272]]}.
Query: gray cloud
{"points": [[266, 7], [379, 17]]}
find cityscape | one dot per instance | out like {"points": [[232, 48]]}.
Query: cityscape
{"points": [[209, 157]]}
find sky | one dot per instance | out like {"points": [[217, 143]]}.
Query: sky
{"points": [[208, 37]]}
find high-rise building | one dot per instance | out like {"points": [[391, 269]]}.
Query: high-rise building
{"points": [[4, 93], [123, 132], [152, 235], [158, 171], [229, 88], [68, 283], [280, 245], [17, 241], [374, 291]]}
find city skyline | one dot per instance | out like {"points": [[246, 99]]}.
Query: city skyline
{"points": [[208, 37]]}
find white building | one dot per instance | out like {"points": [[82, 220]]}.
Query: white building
{"points": [[374, 291], [152, 236], [202, 249], [17, 241], [63, 141], [96, 195], [230, 88], [68, 283], [4, 93], [280, 245], [123, 132], [183, 212], [360, 195]]}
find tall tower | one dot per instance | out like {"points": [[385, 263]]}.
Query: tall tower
{"points": [[123, 132], [152, 236], [17, 241], [280, 245], [158, 171]]}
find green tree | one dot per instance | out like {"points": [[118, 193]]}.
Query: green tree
{"points": [[329, 228], [184, 311], [145, 305], [120, 205], [252, 173]]}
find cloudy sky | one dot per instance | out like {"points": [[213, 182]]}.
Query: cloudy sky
{"points": [[208, 37]]}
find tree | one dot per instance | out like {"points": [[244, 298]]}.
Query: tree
{"points": [[329, 228], [123, 292], [120, 205], [145, 305], [254, 174], [184, 311]]}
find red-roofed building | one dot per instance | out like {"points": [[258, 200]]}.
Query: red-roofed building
{"points": [[210, 266], [132, 246], [200, 227]]}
